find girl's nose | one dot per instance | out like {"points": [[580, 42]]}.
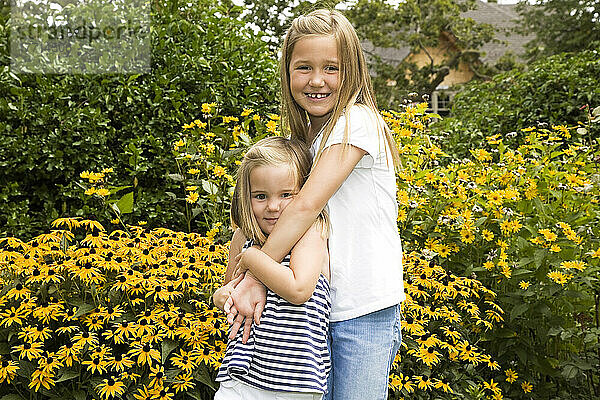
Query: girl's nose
{"points": [[273, 205], [316, 80]]}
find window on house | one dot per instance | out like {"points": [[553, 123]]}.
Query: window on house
{"points": [[440, 102]]}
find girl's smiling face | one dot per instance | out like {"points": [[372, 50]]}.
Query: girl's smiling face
{"points": [[314, 77], [272, 188]]}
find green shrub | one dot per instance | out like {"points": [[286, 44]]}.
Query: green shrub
{"points": [[524, 221], [553, 91], [53, 127]]}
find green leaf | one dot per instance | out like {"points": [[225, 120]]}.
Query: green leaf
{"points": [[166, 348], [209, 187], [518, 310], [4, 348], [203, 376], [12, 397], [68, 375], [570, 371], [83, 308], [176, 177], [125, 203]]}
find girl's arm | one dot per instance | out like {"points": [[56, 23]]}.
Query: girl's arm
{"points": [[221, 295], [296, 283], [331, 170]]}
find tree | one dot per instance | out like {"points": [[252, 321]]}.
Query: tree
{"points": [[560, 25], [413, 27], [53, 126], [418, 26]]}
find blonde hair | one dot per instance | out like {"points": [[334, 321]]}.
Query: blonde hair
{"points": [[354, 81], [270, 151]]}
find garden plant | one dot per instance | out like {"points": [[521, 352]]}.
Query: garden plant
{"points": [[501, 264]]}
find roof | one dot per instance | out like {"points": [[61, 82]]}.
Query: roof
{"points": [[503, 17]]}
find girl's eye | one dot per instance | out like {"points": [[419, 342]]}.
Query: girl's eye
{"points": [[303, 67], [287, 195], [260, 196], [332, 68]]}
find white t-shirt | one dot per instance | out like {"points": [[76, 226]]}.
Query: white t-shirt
{"points": [[364, 244]]}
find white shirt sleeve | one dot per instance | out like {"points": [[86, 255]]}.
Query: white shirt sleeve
{"points": [[363, 133]]}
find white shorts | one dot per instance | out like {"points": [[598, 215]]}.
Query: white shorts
{"points": [[235, 390]]}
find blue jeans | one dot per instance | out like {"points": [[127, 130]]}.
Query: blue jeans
{"points": [[362, 352]]}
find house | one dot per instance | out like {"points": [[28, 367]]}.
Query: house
{"points": [[502, 17]]}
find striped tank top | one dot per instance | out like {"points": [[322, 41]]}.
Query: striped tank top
{"points": [[288, 351]]}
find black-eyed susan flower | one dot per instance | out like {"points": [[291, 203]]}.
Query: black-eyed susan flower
{"points": [[184, 360], [31, 351], [144, 354], [492, 386], [8, 370], [440, 384], [156, 376], [11, 317], [511, 375], [120, 362], [526, 386], [18, 292], [96, 365], [83, 338], [41, 378], [183, 382], [69, 353], [424, 382], [110, 387]]}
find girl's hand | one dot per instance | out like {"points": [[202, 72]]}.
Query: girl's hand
{"points": [[241, 261], [245, 304], [221, 295]]}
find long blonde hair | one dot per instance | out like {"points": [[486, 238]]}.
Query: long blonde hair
{"points": [[354, 84], [271, 151]]}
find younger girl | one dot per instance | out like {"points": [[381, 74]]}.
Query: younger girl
{"points": [[328, 103], [286, 355]]}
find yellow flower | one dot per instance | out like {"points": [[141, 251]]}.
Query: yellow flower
{"points": [[41, 378], [145, 354], [110, 388], [192, 197], [8, 370], [467, 235], [219, 171], [423, 382], [493, 386], [103, 192], [193, 171], [489, 265], [246, 112], [524, 285], [208, 107], [90, 191], [548, 235], [578, 265], [487, 235], [227, 119], [183, 382], [526, 386], [559, 277], [511, 375], [271, 126]]}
